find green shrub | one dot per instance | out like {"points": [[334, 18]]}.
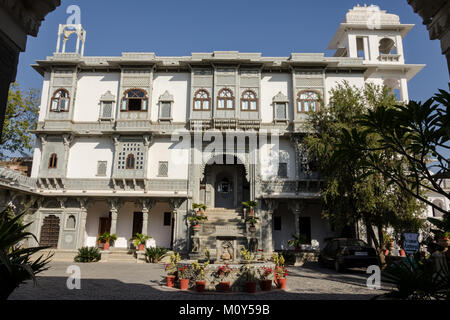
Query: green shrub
{"points": [[154, 255], [87, 254], [16, 262]]}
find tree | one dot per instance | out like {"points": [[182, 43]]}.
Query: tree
{"points": [[352, 193], [418, 134], [21, 117]]}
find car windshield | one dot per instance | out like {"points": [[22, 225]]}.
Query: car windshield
{"points": [[351, 243]]}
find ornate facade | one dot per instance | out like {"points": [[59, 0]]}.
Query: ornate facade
{"points": [[127, 144]]}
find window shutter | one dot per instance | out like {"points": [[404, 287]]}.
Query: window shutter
{"points": [[163, 170], [280, 111], [165, 110], [101, 168], [107, 110], [282, 170]]}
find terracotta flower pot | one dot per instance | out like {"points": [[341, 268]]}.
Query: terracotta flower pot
{"points": [[402, 253], [266, 285], [170, 281], [251, 213], [282, 283], [251, 286], [196, 228], [200, 286], [141, 247], [106, 246], [224, 286], [184, 284]]}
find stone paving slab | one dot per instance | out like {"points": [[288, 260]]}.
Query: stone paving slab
{"points": [[118, 281]]}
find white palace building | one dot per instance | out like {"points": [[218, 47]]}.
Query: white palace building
{"points": [[127, 144]]}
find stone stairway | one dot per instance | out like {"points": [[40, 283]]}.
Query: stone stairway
{"points": [[223, 223], [118, 255]]}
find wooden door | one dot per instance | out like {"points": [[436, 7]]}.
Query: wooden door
{"points": [[137, 223], [50, 232], [104, 226]]}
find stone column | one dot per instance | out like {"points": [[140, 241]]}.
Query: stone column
{"points": [[114, 206], [145, 205], [85, 203], [297, 207], [267, 240], [174, 205]]}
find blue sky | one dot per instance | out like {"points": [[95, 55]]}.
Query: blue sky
{"points": [[275, 28]]}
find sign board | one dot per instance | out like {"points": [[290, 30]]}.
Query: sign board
{"points": [[411, 242]]}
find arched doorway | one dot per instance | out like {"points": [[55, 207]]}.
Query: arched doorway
{"points": [[224, 184], [50, 232]]}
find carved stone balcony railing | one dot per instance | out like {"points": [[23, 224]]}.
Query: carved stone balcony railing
{"points": [[389, 57], [15, 178], [291, 186]]}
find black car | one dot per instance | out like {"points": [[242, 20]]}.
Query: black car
{"points": [[344, 253]]}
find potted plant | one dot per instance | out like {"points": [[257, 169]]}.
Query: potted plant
{"points": [[200, 282], [199, 208], [279, 261], [171, 269], [281, 273], [183, 276], [106, 238], [139, 241], [296, 243], [223, 272], [196, 220], [266, 274], [248, 271], [251, 205], [252, 221]]}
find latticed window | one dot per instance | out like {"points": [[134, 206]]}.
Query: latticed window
{"points": [[53, 161], [307, 101], [130, 162], [60, 101], [163, 169], [280, 111], [282, 170], [101, 168], [107, 107], [134, 100], [225, 100], [202, 100], [249, 102], [165, 112]]}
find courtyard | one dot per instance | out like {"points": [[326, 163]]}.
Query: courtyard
{"points": [[126, 281]]}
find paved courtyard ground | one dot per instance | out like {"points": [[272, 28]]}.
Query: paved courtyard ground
{"points": [[115, 281]]}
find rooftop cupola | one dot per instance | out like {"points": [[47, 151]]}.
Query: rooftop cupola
{"points": [[65, 31], [371, 34]]}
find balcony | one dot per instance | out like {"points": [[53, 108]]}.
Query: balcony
{"points": [[389, 57]]}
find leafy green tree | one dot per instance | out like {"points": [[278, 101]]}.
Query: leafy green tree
{"points": [[418, 134], [20, 118], [351, 192]]}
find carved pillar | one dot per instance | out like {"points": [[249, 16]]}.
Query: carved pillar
{"points": [[114, 206], [145, 205], [297, 207], [174, 205], [85, 204], [268, 225], [67, 139]]}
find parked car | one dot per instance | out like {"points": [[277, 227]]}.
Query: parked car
{"points": [[342, 253]]}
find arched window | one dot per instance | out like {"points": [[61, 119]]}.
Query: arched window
{"points": [[71, 222], [53, 161], [202, 100], [134, 100], [438, 213], [130, 164], [387, 46], [307, 101], [249, 102], [225, 100], [60, 101]]}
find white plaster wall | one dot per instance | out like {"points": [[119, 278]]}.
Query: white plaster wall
{"points": [[156, 229], [45, 96], [332, 81], [165, 150], [91, 86], [84, 155], [125, 224], [269, 155], [271, 85], [177, 84], [97, 211], [37, 155]]}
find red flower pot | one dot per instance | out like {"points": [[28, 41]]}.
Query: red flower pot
{"points": [[402, 253], [251, 213], [224, 286], [282, 283], [200, 286], [266, 285], [141, 247], [184, 284], [106, 246], [170, 281], [251, 287]]}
